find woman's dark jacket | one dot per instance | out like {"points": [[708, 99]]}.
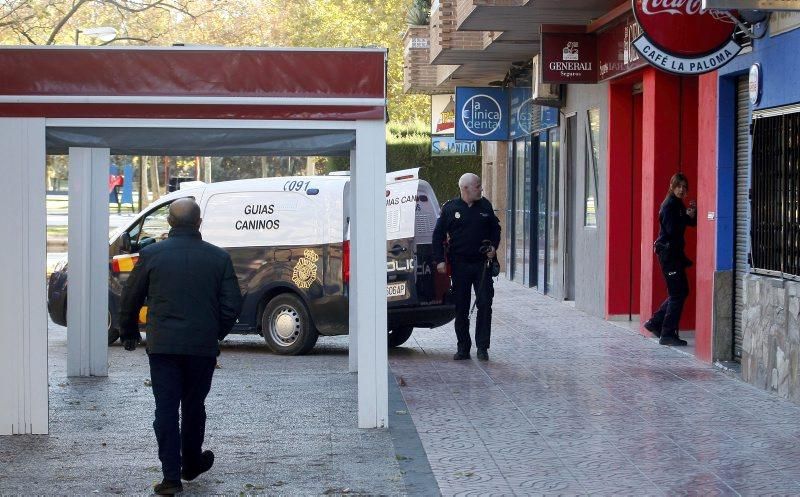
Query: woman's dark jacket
{"points": [[193, 296], [673, 220]]}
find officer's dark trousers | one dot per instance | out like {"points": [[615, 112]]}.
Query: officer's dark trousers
{"points": [[669, 314], [180, 380], [466, 277]]}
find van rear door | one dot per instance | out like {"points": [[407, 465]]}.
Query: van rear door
{"points": [[411, 213], [431, 285], [401, 205]]}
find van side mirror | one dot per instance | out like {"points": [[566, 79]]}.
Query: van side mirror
{"points": [[125, 242]]}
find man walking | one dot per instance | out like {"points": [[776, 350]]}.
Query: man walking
{"points": [[193, 301], [473, 235]]}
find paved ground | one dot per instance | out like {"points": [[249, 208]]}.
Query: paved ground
{"points": [[278, 426], [571, 404], [568, 405]]}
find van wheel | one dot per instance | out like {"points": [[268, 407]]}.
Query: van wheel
{"points": [[113, 333], [286, 326], [398, 336]]}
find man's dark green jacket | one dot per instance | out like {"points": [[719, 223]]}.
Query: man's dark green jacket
{"points": [[193, 296]]}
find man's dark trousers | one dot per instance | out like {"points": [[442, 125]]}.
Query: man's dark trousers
{"points": [[466, 276], [180, 380]]}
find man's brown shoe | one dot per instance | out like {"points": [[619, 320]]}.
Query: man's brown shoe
{"points": [[168, 487]]}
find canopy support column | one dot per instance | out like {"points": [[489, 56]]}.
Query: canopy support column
{"points": [[368, 272], [23, 297], [87, 292], [353, 325]]}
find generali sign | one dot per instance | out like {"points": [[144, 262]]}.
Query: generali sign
{"points": [[681, 37], [568, 57]]}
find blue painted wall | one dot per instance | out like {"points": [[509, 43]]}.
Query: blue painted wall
{"points": [[779, 57]]}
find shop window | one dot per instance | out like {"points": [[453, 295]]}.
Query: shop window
{"points": [[775, 204], [592, 157]]}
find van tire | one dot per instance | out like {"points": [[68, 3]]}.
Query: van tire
{"points": [[398, 336], [113, 333], [286, 326]]}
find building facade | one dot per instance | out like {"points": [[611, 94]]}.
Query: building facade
{"points": [[582, 194], [757, 276]]}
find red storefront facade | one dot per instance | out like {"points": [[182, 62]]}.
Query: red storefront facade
{"points": [[658, 124]]}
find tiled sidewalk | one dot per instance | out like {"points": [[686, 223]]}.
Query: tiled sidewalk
{"points": [[278, 426], [570, 404]]}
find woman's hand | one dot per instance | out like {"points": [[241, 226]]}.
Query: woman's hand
{"points": [[692, 210]]}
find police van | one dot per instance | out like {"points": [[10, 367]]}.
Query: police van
{"points": [[289, 242]]}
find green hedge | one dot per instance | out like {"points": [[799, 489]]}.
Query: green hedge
{"points": [[441, 172]]}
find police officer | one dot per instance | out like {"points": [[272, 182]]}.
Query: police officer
{"points": [[193, 301], [472, 231], [673, 219]]}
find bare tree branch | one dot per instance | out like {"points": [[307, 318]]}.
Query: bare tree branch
{"points": [[158, 4], [75, 7], [25, 34]]}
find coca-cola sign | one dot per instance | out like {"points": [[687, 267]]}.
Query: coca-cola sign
{"points": [[680, 36]]}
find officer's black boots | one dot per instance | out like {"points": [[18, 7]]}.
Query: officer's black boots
{"points": [[671, 339], [483, 355], [653, 328], [461, 357]]}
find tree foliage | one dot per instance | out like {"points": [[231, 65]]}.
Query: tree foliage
{"points": [[273, 23]]}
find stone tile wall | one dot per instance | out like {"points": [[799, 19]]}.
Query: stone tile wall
{"points": [[722, 345], [771, 327]]}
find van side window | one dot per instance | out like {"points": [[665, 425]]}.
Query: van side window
{"points": [[155, 224], [151, 229]]}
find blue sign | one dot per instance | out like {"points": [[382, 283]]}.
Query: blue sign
{"points": [[127, 186], [549, 117], [521, 115], [447, 145], [481, 114]]}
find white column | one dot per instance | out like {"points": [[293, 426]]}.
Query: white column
{"points": [[23, 262], [353, 327], [87, 291], [368, 272]]}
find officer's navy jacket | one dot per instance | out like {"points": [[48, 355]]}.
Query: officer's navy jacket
{"points": [[467, 227]]}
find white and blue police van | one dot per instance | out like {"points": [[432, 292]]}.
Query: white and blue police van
{"points": [[289, 241]]}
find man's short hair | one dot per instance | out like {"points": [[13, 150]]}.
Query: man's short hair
{"points": [[467, 178], [184, 212]]}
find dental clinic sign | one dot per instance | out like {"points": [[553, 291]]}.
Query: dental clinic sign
{"points": [[681, 37], [481, 114]]}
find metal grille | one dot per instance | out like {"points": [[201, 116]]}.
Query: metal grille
{"points": [[776, 194], [742, 208]]}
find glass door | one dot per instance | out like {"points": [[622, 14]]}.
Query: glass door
{"points": [[540, 226], [519, 259]]}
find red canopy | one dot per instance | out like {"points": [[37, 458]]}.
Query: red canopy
{"points": [[193, 83]]}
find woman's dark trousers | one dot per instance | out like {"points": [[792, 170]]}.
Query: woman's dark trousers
{"points": [[668, 316], [180, 381]]}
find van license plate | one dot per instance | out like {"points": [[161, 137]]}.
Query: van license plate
{"points": [[396, 289]]}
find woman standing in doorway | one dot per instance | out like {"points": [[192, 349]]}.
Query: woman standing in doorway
{"points": [[673, 218]]}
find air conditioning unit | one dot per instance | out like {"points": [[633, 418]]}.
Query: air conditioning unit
{"points": [[547, 94]]}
